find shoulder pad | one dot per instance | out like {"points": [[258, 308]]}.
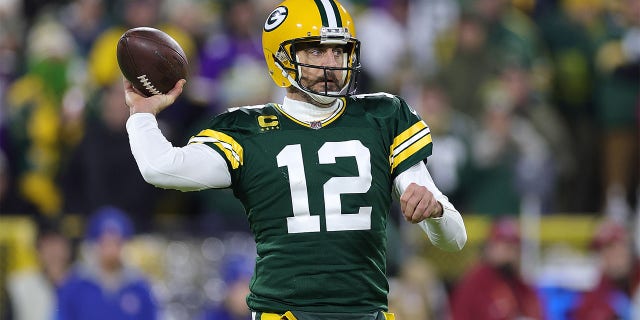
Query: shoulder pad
{"points": [[242, 119], [246, 108], [376, 96], [380, 104]]}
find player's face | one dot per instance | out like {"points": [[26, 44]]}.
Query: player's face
{"points": [[325, 56]]}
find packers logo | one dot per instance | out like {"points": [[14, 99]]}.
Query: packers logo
{"points": [[276, 18], [268, 122]]}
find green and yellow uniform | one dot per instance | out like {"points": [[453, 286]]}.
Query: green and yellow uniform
{"points": [[317, 196]]}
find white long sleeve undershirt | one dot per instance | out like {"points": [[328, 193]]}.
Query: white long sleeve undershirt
{"points": [[447, 232], [198, 166], [192, 167]]}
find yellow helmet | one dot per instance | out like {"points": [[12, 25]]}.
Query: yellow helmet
{"points": [[302, 21]]}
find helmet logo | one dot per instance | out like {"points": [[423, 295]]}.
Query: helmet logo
{"points": [[276, 18]]}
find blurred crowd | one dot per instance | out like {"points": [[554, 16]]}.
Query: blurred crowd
{"points": [[533, 106], [531, 103]]}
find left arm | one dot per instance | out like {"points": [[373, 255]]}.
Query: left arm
{"points": [[423, 203]]}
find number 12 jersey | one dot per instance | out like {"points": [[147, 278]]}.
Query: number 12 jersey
{"points": [[317, 196]]}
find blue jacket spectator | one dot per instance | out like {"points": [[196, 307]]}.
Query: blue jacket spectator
{"points": [[102, 287], [236, 271]]}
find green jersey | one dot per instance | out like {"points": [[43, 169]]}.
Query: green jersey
{"points": [[317, 196]]}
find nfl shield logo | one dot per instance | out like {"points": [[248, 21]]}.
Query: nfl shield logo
{"points": [[315, 125]]}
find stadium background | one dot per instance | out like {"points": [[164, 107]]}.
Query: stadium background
{"points": [[555, 82]]}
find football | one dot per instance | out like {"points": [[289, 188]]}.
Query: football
{"points": [[151, 60]]}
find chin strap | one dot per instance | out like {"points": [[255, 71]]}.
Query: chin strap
{"points": [[321, 99], [316, 97]]}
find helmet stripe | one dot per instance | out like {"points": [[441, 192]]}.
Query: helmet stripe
{"points": [[329, 13], [323, 13], [336, 12]]}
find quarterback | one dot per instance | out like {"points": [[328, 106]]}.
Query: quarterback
{"points": [[316, 173]]}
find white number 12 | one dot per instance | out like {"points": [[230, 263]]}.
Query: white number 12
{"points": [[302, 220]]}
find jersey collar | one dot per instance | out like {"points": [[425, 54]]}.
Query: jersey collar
{"points": [[309, 115]]}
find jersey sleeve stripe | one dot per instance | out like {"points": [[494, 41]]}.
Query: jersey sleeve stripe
{"points": [[420, 143], [409, 142], [402, 137], [232, 156], [230, 147]]}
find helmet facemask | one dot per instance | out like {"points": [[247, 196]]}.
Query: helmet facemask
{"points": [[287, 60]]}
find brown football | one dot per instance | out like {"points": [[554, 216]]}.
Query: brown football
{"points": [[151, 60]]}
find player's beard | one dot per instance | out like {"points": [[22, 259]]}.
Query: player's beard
{"points": [[322, 84], [325, 85], [333, 85]]}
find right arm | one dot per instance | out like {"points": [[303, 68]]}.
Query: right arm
{"points": [[188, 168]]}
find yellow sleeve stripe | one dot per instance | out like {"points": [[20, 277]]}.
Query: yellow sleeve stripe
{"points": [[231, 148], [425, 141], [409, 142], [415, 128]]}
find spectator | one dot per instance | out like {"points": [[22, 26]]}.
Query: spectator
{"points": [[231, 61], [33, 292], [468, 66], [513, 37], [385, 58], [36, 126], [102, 62], [12, 33], [5, 181], [570, 30], [103, 68], [6, 312], [548, 126], [453, 130], [86, 20], [399, 37], [99, 166], [617, 293], [618, 97], [236, 271], [103, 286], [494, 289], [417, 293], [509, 156]]}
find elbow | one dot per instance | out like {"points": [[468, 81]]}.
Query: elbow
{"points": [[459, 242], [153, 177], [453, 245], [163, 177], [463, 242], [156, 175], [149, 169], [455, 241]]}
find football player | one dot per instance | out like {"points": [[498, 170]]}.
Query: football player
{"points": [[316, 173]]}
